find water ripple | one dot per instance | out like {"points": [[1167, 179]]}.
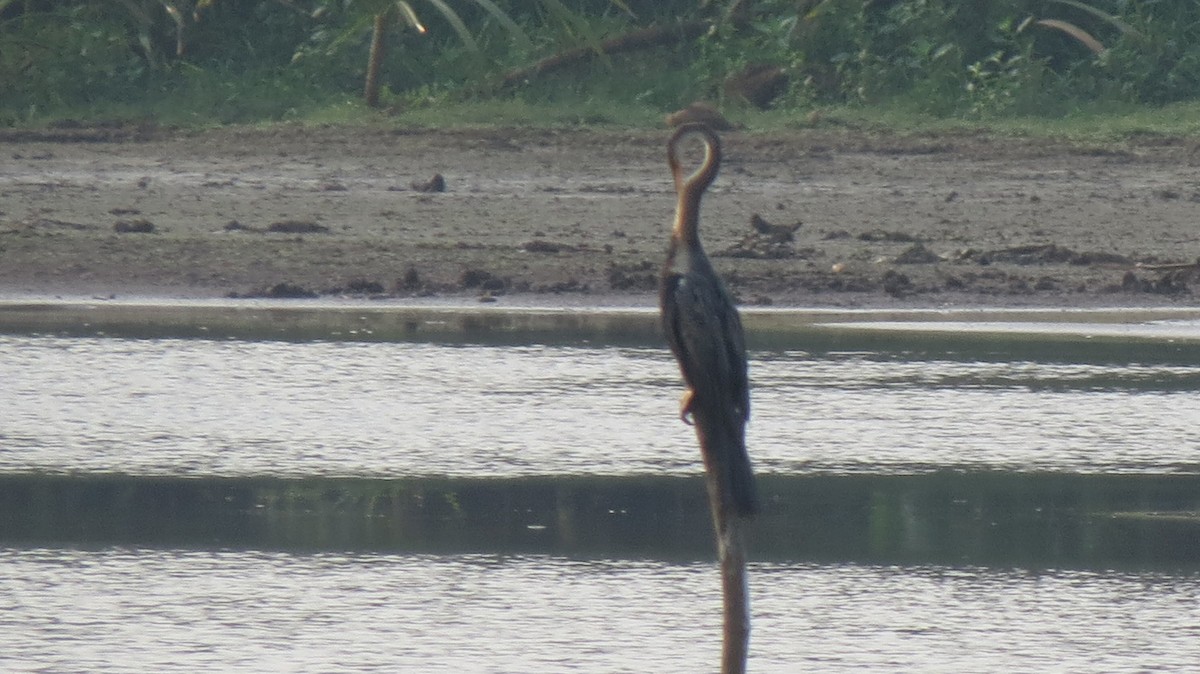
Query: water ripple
{"points": [[209, 407], [137, 610]]}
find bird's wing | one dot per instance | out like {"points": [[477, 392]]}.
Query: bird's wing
{"points": [[735, 344], [669, 305], [705, 333]]}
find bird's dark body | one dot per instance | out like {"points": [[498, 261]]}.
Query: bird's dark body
{"points": [[704, 332]]}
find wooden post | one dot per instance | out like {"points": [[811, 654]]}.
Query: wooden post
{"points": [[731, 556]]}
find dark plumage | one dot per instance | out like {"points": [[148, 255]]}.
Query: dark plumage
{"points": [[705, 333]]}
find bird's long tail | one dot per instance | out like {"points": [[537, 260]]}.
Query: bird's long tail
{"points": [[724, 443]]}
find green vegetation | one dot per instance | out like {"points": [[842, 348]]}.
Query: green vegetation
{"points": [[1017, 65]]}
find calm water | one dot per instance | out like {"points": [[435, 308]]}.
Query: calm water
{"points": [[141, 610], [205, 407], [98, 601]]}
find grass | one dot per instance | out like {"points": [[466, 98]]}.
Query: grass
{"points": [[516, 112], [204, 105], [1087, 123]]}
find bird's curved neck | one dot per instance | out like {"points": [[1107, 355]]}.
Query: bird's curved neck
{"points": [[690, 188]]}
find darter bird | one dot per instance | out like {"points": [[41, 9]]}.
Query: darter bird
{"points": [[705, 333]]}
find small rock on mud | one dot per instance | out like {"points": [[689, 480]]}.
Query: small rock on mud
{"points": [[917, 254], [543, 246], [883, 235], [897, 284], [435, 184], [297, 227], [138, 226]]}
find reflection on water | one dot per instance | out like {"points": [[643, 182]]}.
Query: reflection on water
{"points": [[140, 610], [204, 407], [999, 519], [529, 503]]}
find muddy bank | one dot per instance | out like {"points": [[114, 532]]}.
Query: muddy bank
{"points": [[808, 218]]}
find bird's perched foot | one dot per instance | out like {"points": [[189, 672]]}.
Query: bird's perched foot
{"points": [[685, 406]]}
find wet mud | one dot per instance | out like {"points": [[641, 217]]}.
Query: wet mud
{"points": [[819, 217]]}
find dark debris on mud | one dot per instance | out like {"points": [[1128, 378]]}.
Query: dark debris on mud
{"points": [[297, 227], [1047, 254], [282, 290]]}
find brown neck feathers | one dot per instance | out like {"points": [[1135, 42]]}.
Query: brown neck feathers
{"points": [[691, 188]]}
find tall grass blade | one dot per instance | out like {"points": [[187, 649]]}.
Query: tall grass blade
{"points": [[456, 23], [518, 35], [352, 31], [582, 28], [410, 17]]}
